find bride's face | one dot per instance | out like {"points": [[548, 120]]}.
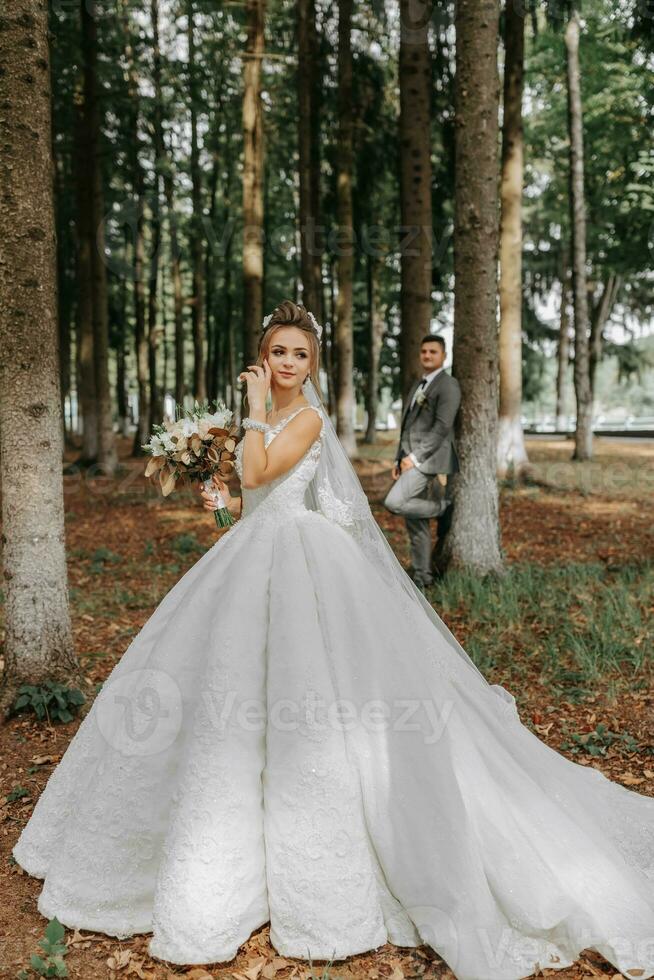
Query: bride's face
{"points": [[289, 357]]}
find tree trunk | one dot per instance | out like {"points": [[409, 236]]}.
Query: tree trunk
{"points": [[87, 401], [197, 231], [107, 458], [121, 362], [253, 158], [227, 327], [343, 335], [563, 353], [142, 432], [473, 540], [601, 313], [415, 185], [165, 333], [584, 428], [376, 328], [330, 356], [176, 277], [309, 159], [211, 328], [38, 638], [64, 291], [155, 333], [511, 451]]}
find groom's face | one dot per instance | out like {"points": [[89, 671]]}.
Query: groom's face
{"points": [[432, 356]]}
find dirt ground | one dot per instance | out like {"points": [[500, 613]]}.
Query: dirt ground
{"points": [[600, 512]]}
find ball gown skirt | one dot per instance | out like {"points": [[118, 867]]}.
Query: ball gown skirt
{"points": [[288, 740]]}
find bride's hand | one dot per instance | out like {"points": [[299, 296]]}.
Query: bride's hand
{"points": [[232, 504], [258, 382]]}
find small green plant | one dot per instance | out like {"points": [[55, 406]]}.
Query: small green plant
{"points": [[326, 974], [185, 544], [51, 962], [161, 568], [102, 557], [569, 684], [17, 793], [598, 741], [50, 700]]}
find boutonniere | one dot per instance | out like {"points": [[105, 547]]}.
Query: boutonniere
{"points": [[421, 398]]}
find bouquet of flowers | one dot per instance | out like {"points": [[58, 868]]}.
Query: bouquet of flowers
{"points": [[196, 445]]}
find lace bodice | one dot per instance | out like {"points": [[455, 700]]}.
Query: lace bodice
{"points": [[286, 492]]}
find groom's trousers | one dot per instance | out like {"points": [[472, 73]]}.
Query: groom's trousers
{"points": [[417, 497]]}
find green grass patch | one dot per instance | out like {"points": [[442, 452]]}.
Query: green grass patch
{"points": [[578, 623]]}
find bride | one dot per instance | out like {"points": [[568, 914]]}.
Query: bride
{"points": [[296, 737]]}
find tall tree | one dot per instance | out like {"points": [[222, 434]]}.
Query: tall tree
{"points": [[85, 368], [253, 161], [197, 230], [176, 277], [343, 333], [309, 158], [563, 348], [139, 273], [415, 183], [474, 537], [601, 312], [375, 337], [38, 638], [94, 228], [511, 451], [154, 331], [584, 427]]}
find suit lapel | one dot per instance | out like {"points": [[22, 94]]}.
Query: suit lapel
{"points": [[408, 402], [434, 381], [415, 407]]}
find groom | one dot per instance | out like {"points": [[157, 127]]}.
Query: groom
{"points": [[426, 451]]}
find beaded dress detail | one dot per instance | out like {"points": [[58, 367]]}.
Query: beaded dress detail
{"points": [[289, 739]]}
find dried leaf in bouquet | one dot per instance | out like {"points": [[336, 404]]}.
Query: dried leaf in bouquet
{"points": [[167, 479], [154, 463], [225, 468]]}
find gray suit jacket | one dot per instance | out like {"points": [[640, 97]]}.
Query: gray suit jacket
{"points": [[427, 430]]}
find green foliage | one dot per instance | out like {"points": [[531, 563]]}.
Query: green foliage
{"points": [[102, 558], [598, 741], [618, 99], [186, 544], [51, 962], [576, 623], [618, 105], [17, 793], [51, 700]]}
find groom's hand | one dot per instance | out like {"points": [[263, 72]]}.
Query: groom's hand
{"points": [[395, 472], [406, 463]]}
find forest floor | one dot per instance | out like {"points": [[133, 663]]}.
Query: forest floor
{"points": [[568, 630]]}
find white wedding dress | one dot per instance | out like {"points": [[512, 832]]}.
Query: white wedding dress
{"points": [[288, 738]]}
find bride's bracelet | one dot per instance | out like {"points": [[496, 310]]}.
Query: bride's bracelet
{"points": [[249, 423]]}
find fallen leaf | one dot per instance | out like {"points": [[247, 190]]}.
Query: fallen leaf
{"points": [[253, 972], [630, 780]]}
